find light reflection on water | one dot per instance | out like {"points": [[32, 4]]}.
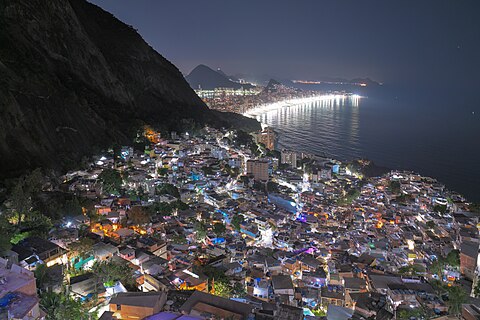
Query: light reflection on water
{"points": [[434, 138], [327, 127]]}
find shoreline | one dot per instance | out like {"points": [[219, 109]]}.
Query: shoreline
{"points": [[261, 109]]}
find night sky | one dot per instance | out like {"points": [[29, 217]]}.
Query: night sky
{"points": [[421, 42]]}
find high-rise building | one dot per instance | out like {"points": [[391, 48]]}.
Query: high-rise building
{"points": [[289, 157], [258, 169], [268, 137]]}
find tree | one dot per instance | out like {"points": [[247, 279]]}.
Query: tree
{"points": [[453, 258], [412, 270], [440, 209], [110, 272], [476, 290], [219, 228], [59, 306], [222, 288], [236, 221], [243, 138], [73, 208], [138, 215], [168, 188], [430, 224], [111, 180], [162, 171], [407, 314], [456, 297], [395, 186], [33, 182], [180, 205], [200, 230], [21, 201], [6, 232], [81, 247], [437, 267], [238, 290], [319, 313], [208, 170], [272, 186], [37, 224], [41, 275]]}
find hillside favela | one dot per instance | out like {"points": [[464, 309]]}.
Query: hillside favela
{"points": [[263, 160]]}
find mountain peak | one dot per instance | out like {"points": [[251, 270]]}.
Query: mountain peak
{"points": [[204, 77], [76, 80]]}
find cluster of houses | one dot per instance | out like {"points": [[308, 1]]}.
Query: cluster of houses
{"points": [[211, 230]]}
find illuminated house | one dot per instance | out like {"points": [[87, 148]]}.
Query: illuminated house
{"points": [[18, 293], [104, 251], [33, 251], [315, 279], [137, 305], [214, 307], [187, 280]]}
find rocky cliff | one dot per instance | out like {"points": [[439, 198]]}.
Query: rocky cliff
{"points": [[74, 79]]}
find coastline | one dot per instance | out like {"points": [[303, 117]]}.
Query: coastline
{"points": [[261, 109]]}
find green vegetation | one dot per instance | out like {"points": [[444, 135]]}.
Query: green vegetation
{"points": [[41, 275], [430, 224], [394, 187], [319, 313], [81, 248], [208, 171], [416, 313], [232, 172], [111, 272], [272, 186], [243, 139], [440, 209], [274, 154], [236, 221], [412, 270], [452, 259], [221, 283], [138, 215], [456, 297], [351, 195], [162, 171], [165, 208], [59, 306], [200, 230], [169, 189], [219, 229], [111, 180], [404, 198]]}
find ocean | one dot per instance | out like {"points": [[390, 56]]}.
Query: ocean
{"points": [[436, 135]]}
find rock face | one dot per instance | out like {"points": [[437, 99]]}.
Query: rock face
{"points": [[74, 79]]}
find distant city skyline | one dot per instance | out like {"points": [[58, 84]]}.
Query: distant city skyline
{"points": [[428, 41]]}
